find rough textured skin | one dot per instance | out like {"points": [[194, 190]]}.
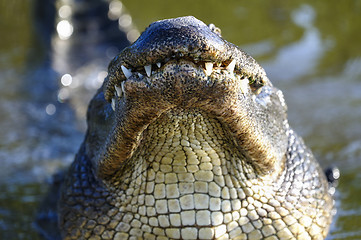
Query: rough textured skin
{"points": [[198, 148]]}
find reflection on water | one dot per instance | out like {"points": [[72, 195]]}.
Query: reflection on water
{"points": [[309, 49], [66, 79], [82, 56], [50, 109], [64, 29], [301, 57], [21, 203]]}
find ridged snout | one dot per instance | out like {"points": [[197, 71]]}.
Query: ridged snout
{"points": [[178, 37]]}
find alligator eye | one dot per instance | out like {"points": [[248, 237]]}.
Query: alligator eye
{"points": [[256, 84]]}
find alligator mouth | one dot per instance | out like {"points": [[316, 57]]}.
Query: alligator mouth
{"points": [[183, 63], [206, 70]]}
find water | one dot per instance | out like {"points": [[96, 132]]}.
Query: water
{"points": [[310, 50]]}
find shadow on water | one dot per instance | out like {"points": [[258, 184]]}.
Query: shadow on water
{"points": [[310, 50]]}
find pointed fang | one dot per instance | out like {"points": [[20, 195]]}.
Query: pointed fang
{"points": [[113, 104], [148, 70], [159, 64], [122, 86], [209, 68], [119, 91], [244, 85], [127, 72], [231, 66]]}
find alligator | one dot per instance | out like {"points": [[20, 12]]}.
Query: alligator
{"points": [[188, 139]]}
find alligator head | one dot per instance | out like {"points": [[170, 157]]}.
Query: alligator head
{"points": [[184, 64], [188, 139]]}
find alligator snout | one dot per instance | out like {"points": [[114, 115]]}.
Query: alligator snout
{"points": [[184, 38]]}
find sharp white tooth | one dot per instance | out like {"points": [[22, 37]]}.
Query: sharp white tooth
{"points": [[209, 68], [126, 71], [119, 91], [140, 75], [148, 70], [244, 85], [231, 66], [113, 104], [122, 86], [159, 64]]}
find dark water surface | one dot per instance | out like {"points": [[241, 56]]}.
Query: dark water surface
{"points": [[310, 49]]}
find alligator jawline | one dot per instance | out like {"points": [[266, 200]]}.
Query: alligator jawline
{"points": [[115, 87]]}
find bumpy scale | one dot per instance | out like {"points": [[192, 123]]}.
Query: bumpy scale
{"points": [[188, 139]]}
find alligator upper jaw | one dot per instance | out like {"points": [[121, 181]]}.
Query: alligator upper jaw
{"points": [[179, 38], [184, 64]]}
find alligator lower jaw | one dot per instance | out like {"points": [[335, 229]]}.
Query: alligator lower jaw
{"points": [[140, 100], [184, 85], [190, 141]]}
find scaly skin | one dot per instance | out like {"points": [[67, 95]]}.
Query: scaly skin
{"points": [[191, 151]]}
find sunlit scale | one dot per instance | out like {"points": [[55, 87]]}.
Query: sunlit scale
{"points": [[185, 192]]}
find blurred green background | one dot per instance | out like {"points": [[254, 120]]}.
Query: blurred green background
{"points": [[310, 50]]}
